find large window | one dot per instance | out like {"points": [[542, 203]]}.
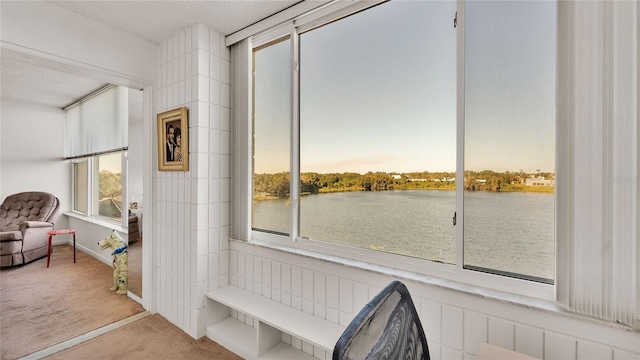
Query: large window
{"points": [[406, 149], [96, 142]]}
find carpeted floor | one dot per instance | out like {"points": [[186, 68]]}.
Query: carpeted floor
{"points": [[150, 338], [43, 306]]}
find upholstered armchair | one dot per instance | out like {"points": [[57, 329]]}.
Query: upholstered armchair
{"points": [[25, 220]]}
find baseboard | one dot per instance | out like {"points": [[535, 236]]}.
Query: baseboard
{"points": [[106, 260]]}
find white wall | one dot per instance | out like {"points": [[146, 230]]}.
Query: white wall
{"points": [[31, 158], [456, 323], [192, 222]]}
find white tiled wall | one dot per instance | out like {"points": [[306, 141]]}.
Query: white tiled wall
{"points": [[192, 223], [456, 324]]}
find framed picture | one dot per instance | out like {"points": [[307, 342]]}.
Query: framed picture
{"points": [[173, 140]]}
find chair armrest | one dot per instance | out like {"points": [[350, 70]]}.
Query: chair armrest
{"points": [[34, 225]]}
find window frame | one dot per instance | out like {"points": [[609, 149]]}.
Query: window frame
{"points": [[386, 262], [92, 188]]}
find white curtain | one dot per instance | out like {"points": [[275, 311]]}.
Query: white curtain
{"points": [[98, 124]]}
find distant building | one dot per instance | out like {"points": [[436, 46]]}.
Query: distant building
{"points": [[540, 181]]}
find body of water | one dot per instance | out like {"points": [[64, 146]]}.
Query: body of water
{"points": [[507, 232]]}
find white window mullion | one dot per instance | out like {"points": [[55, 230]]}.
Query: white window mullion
{"points": [[294, 195], [460, 91]]}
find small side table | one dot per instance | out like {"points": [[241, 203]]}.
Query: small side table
{"points": [[58, 232]]}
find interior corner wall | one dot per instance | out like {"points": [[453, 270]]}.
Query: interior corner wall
{"points": [[191, 223], [32, 152]]}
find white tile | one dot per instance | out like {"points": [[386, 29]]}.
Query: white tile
{"points": [[360, 296], [164, 68], [296, 281], [276, 280], [257, 269], [214, 116], [591, 351], [307, 284], [434, 350], [181, 92], [202, 121], [176, 46], [214, 168], [203, 88], [319, 288], [241, 265], [182, 46], [202, 164], [225, 71], [225, 166], [318, 353], [198, 291], [225, 95], [530, 341], [296, 302], [625, 355], [319, 310], [233, 262], [203, 62], [248, 273], [214, 187], [202, 188], [501, 333], [448, 353], [475, 331], [558, 346], [213, 237], [266, 272], [202, 36], [214, 220], [225, 52], [223, 258], [285, 272], [333, 315], [182, 68], [307, 347], [225, 142], [188, 89], [188, 65], [225, 119], [452, 330], [163, 52], [175, 76], [346, 295], [214, 92], [202, 239], [215, 41], [333, 291], [224, 235], [169, 43], [345, 318], [203, 262], [430, 316], [214, 67]]}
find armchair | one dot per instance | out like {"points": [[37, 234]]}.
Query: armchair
{"points": [[25, 220]]}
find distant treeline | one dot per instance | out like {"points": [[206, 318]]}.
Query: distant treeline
{"points": [[277, 185]]}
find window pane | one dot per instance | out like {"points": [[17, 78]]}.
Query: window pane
{"points": [[271, 137], [109, 189], [81, 184], [378, 130], [510, 138]]}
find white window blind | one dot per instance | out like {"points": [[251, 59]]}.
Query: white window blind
{"points": [[597, 132], [98, 124]]}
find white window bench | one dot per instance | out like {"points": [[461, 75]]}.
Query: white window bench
{"points": [[273, 318]]}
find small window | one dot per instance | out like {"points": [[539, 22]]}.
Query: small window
{"points": [[81, 186], [108, 192]]}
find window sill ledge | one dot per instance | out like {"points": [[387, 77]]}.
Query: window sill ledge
{"points": [[97, 221], [521, 301]]}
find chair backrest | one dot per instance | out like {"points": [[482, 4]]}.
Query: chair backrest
{"points": [[387, 327], [28, 206]]}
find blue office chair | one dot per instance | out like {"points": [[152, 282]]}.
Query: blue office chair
{"points": [[387, 327]]}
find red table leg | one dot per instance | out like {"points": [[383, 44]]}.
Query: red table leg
{"points": [[74, 247], [49, 250]]}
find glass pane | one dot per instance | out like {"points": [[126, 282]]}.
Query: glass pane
{"points": [[509, 201], [109, 185], [81, 184], [378, 130], [271, 137]]}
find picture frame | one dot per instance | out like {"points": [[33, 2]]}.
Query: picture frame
{"points": [[173, 140]]}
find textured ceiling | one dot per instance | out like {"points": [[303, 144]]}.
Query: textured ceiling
{"points": [[26, 80]]}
